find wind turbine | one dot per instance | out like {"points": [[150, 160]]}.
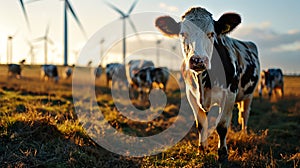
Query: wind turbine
{"points": [[124, 16], [46, 40], [25, 13], [67, 7], [31, 52], [9, 50]]}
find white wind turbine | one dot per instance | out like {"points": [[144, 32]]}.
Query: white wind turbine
{"points": [[67, 7], [31, 52], [45, 38], [9, 49], [124, 16]]}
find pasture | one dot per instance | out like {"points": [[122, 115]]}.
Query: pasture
{"points": [[39, 128]]}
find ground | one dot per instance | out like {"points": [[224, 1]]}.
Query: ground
{"points": [[39, 127]]}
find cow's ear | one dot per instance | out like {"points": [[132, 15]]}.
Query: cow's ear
{"points": [[227, 22], [168, 26]]}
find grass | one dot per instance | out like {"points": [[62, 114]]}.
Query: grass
{"points": [[39, 128]]}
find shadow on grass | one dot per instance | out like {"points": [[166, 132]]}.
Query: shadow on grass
{"points": [[38, 143]]}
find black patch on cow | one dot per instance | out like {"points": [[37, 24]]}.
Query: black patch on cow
{"points": [[248, 77], [55, 72], [225, 67]]}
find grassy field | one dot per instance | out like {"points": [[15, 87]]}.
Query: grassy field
{"points": [[39, 128]]}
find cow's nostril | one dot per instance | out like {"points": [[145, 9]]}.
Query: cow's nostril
{"points": [[197, 63]]}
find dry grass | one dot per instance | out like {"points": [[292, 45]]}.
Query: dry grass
{"points": [[39, 128]]}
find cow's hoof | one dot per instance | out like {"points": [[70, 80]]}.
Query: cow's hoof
{"points": [[202, 150], [223, 156]]}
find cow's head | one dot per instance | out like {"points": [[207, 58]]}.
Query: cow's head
{"points": [[198, 32]]}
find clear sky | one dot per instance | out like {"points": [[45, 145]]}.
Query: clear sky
{"points": [[273, 25]]}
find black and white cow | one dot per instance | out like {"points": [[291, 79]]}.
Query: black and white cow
{"points": [[14, 70], [98, 71], [160, 77], [49, 72], [272, 80], [68, 72], [142, 82], [132, 68], [219, 71], [118, 71]]}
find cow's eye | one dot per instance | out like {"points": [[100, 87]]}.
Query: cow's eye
{"points": [[210, 35]]}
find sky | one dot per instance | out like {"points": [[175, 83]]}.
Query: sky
{"points": [[273, 25]]}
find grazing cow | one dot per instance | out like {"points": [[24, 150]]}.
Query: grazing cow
{"points": [[132, 68], [272, 80], [219, 71], [142, 82], [49, 71], [14, 70], [98, 71], [160, 77], [118, 71], [68, 72]]}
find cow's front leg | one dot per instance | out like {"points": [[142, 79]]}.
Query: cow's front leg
{"points": [[201, 122], [222, 126]]}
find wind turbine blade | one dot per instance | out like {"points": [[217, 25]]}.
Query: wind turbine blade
{"points": [[30, 1], [50, 41], [132, 7], [76, 18], [134, 28], [132, 25], [38, 39], [25, 13], [47, 30], [115, 8], [16, 32]]}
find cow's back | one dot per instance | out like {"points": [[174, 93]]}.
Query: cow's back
{"points": [[134, 66]]}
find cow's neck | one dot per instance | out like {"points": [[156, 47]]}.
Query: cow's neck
{"points": [[196, 84]]}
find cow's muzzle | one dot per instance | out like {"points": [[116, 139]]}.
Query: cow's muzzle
{"points": [[198, 64]]}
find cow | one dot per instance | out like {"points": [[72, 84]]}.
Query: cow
{"points": [[49, 72], [142, 82], [98, 71], [132, 68], [218, 70], [272, 80], [68, 72], [160, 77], [14, 70], [118, 71]]}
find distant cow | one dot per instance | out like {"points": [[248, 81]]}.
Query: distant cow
{"points": [[132, 68], [49, 72], [160, 77], [14, 70], [118, 71], [272, 80], [98, 71], [142, 82], [219, 71], [68, 72]]}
